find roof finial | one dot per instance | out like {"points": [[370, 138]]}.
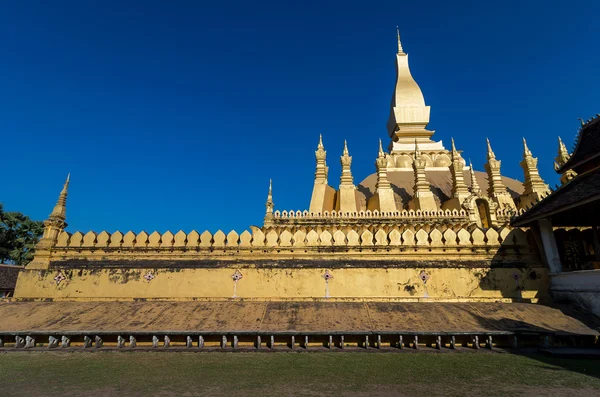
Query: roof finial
{"points": [[526, 150], [381, 154], [582, 121], [345, 148], [320, 146], [400, 51], [453, 146]]}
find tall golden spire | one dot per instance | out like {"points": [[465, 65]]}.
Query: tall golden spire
{"points": [[383, 199], [346, 161], [423, 198], [400, 50], [322, 198], [346, 196]]}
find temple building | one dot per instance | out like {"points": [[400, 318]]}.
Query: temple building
{"points": [[425, 234]]}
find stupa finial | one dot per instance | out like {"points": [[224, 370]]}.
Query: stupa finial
{"points": [[526, 151], [381, 154], [490, 152], [400, 50], [60, 209]]}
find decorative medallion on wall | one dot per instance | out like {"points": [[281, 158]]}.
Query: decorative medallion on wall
{"points": [[327, 276], [424, 278], [59, 277], [237, 276], [149, 276]]}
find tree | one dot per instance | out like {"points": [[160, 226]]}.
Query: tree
{"points": [[18, 236]]}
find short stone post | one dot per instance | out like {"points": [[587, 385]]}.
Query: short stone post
{"points": [[293, 343], [488, 342], [52, 342], [87, 342], [515, 342], [19, 342], [453, 342], [400, 342], [98, 342], [438, 342], [379, 341], [476, 342], [132, 341], [224, 342], [167, 341], [306, 342], [258, 342], [272, 342], [120, 342], [29, 342], [235, 341], [330, 342], [416, 342], [154, 341], [65, 341], [188, 342], [1, 342], [342, 344], [366, 341], [200, 341]]}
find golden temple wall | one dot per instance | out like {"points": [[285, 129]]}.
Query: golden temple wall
{"points": [[385, 263]]}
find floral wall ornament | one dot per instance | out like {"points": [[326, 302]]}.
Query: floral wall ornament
{"points": [[327, 276], [237, 276], [59, 277], [149, 276]]}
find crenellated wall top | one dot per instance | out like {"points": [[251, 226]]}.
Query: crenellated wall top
{"points": [[425, 238]]}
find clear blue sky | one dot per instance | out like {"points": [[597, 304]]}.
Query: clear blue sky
{"points": [[174, 114]]}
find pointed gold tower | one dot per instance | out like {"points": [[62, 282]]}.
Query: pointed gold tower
{"points": [[534, 186], [423, 198], [383, 199], [346, 195], [323, 195], [460, 192], [409, 115], [496, 188], [53, 226]]}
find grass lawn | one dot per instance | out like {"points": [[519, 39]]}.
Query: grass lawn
{"points": [[301, 374]]}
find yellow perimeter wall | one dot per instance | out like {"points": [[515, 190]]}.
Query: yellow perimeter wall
{"points": [[446, 284]]}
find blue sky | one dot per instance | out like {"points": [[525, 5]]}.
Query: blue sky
{"points": [[174, 115]]}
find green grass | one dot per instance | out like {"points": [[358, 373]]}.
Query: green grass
{"points": [[304, 374]]}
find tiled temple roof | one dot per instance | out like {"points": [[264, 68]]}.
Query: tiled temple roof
{"points": [[583, 189], [587, 147]]}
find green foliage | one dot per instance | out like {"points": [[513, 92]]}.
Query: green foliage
{"points": [[18, 236]]}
